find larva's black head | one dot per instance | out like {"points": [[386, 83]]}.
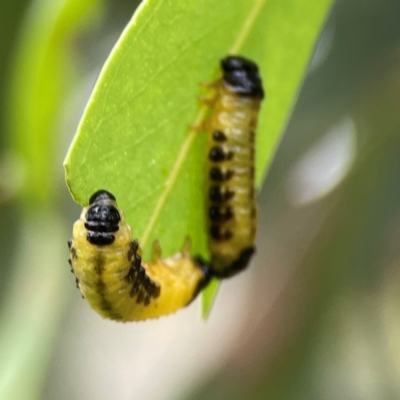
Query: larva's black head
{"points": [[101, 195], [242, 76], [102, 218]]}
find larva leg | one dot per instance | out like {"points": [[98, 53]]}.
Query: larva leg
{"points": [[187, 244], [209, 101], [157, 251], [73, 257], [199, 128], [72, 251], [209, 85], [133, 250]]}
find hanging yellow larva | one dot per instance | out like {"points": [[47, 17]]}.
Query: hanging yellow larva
{"points": [[231, 203], [111, 275]]}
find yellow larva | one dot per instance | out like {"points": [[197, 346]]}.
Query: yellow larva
{"points": [[231, 203], [110, 272]]}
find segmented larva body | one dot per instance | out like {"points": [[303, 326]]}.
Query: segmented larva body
{"points": [[110, 273], [231, 202]]}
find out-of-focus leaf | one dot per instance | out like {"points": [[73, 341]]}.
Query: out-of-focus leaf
{"points": [[32, 306], [40, 77], [31, 310]]}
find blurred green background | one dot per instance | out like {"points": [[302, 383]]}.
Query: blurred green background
{"points": [[317, 316]]}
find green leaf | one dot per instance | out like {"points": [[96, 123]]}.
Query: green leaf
{"points": [[208, 297], [134, 138], [41, 75]]}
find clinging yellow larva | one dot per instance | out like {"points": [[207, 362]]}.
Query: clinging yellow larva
{"points": [[231, 203], [110, 272]]}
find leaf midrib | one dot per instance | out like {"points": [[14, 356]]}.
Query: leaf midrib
{"points": [[243, 33]]}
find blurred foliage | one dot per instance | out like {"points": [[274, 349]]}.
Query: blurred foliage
{"points": [[10, 24], [34, 297], [41, 76]]}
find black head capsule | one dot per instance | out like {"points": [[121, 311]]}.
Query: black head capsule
{"points": [[101, 195], [102, 218], [242, 76]]}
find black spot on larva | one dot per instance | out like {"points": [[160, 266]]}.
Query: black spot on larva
{"points": [[146, 300], [69, 244], [219, 136], [242, 76], [216, 174], [156, 291], [101, 195], [138, 263], [140, 297], [220, 234], [217, 154], [220, 194], [220, 214]]}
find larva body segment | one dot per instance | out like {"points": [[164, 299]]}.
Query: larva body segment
{"points": [[231, 203], [110, 273]]}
